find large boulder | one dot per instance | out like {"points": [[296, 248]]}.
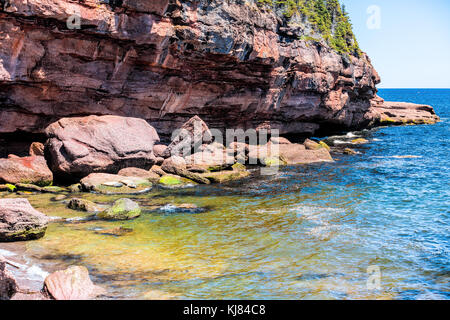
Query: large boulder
{"points": [[72, 284], [80, 146], [8, 285], [31, 169], [189, 138], [19, 221]]}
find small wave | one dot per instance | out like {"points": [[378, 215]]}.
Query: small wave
{"points": [[377, 140], [351, 135], [340, 142], [36, 273], [7, 253]]}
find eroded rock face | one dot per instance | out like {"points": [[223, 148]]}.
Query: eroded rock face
{"points": [[19, 221], [83, 145], [230, 62], [32, 169], [72, 284]]}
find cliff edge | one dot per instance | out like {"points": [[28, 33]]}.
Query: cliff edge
{"points": [[236, 64]]}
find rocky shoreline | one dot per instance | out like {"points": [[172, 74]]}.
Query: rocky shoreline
{"points": [[145, 95]]}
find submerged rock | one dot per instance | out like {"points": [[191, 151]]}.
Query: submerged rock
{"points": [[30, 170], [350, 151], [80, 146], [117, 232], [182, 208], [122, 209], [73, 283], [19, 221]]}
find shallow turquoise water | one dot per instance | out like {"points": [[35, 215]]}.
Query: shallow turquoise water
{"points": [[309, 232]]}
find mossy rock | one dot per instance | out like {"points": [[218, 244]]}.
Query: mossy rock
{"points": [[173, 181], [25, 235], [122, 209], [53, 189], [74, 188], [274, 162], [8, 187], [170, 180], [239, 167], [324, 145]]}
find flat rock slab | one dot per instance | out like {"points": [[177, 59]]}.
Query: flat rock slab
{"points": [[114, 184], [19, 221]]}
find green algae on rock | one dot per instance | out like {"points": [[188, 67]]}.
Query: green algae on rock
{"points": [[19, 221], [122, 209]]}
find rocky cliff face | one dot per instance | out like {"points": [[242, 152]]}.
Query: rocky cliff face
{"points": [[235, 64]]}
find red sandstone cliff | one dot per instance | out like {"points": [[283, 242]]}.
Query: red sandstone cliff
{"points": [[230, 62]]}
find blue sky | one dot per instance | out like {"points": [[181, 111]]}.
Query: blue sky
{"points": [[411, 49]]}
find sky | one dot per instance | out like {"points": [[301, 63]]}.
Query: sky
{"points": [[408, 41]]}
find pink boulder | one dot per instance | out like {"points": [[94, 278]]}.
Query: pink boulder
{"points": [[80, 146]]}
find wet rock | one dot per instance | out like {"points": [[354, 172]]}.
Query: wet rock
{"points": [[73, 283], [122, 209], [19, 221], [8, 284], [30, 170], [84, 205], [117, 232], [274, 161], [360, 141], [37, 149], [28, 187], [191, 136], [174, 181], [311, 145], [8, 187], [80, 146], [114, 184], [350, 151]]}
